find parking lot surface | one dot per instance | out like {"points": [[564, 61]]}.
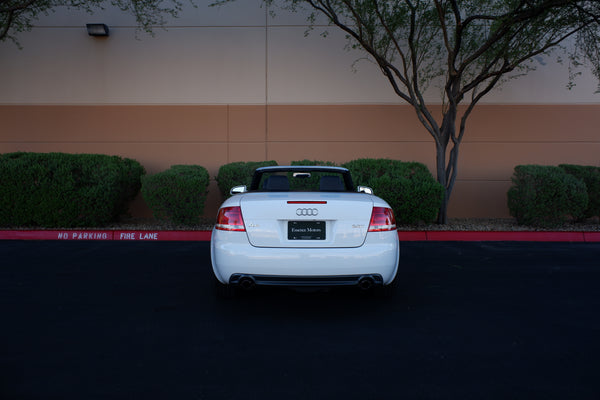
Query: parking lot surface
{"points": [[471, 320]]}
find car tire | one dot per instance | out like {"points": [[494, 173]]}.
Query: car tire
{"points": [[388, 291], [223, 291]]}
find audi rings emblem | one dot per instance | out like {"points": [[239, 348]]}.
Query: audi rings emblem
{"points": [[307, 212]]}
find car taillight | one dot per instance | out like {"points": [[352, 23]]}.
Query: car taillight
{"points": [[382, 219], [230, 219]]}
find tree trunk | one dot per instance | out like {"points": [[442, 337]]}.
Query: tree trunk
{"points": [[441, 178], [446, 171]]}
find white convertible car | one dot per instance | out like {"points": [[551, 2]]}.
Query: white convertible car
{"points": [[304, 226]]}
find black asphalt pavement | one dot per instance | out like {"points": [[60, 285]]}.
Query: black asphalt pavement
{"points": [[113, 320]]}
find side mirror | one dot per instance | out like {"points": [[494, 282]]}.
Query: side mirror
{"points": [[238, 190], [364, 189]]}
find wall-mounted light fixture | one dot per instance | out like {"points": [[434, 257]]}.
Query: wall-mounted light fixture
{"points": [[97, 29]]}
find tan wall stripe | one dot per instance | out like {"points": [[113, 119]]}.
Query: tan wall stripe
{"points": [[498, 138]]}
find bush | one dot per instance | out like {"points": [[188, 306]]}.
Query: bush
{"points": [[238, 173], [313, 181], [65, 190], [131, 183], [177, 194], [591, 177], [408, 187], [314, 162], [545, 196]]}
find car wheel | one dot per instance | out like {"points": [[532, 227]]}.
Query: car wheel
{"points": [[388, 291]]}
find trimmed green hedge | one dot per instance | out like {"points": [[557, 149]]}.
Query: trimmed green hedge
{"points": [[408, 187], [591, 177], [546, 196], [313, 181], [238, 173], [177, 194], [313, 163], [65, 190]]}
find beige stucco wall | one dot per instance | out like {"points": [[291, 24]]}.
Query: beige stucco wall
{"points": [[235, 54], [498, 138]]}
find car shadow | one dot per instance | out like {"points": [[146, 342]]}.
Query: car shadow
{"points": [[302, 303]]}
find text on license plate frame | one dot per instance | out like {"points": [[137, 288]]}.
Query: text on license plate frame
{"points": [[306, 230]]}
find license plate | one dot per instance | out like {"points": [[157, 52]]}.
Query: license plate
{"points": [[306, 230]]}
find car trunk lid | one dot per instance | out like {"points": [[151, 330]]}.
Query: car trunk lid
{"points": [[311, 219]]}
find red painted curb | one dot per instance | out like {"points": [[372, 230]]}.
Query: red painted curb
{"points": [[591, 236], [412, 236], [162, 235], [57, 235], [518, 236], [447, 236], [106, 235]]}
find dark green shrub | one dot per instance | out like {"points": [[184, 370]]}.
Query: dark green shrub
{"points": [[314, 162], [591, 177], [131, 182], [408, 187], [65, 190], [313, 181], [177, 194], [545, 196], [238, 173]]}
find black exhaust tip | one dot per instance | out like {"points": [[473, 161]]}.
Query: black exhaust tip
{"points": [[247, 283], [366, 283]]}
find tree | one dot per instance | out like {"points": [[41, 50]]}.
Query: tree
{"points": [[18, 15], [467, 47]]}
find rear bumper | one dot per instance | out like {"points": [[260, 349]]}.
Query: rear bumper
{"points": [[365, 281], [232, 255]]}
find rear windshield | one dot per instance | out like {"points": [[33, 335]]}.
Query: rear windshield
{"points": [[313, 181]]}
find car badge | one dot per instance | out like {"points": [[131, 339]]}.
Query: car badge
{"points": [[307, 212]]}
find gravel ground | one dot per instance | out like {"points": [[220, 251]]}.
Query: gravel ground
{"points": [[499, 224], [454, 224]]}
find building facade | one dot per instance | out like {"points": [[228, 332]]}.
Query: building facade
{"points": [[235, 83]]}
